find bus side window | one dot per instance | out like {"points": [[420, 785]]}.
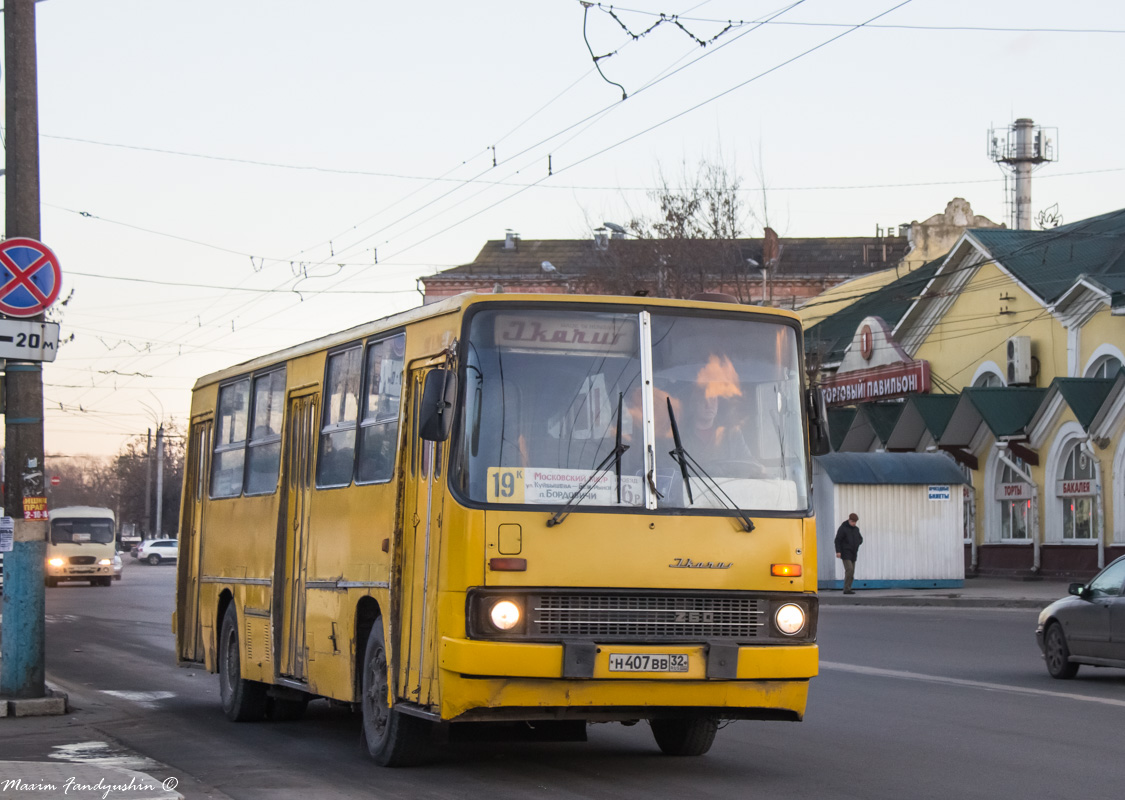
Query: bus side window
{"points": [[378, 427], [265, 433], [230, 439], [336, 460]]}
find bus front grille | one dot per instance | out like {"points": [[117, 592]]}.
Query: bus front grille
{"points": [[82, 560], [641, 617]]}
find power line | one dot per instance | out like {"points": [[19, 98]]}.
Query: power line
{"points": [[235, 288], [884, 26]]}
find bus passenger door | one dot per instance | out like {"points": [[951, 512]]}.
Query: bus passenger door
{"points": [[420, 538], [293, 536], [191, 537]]}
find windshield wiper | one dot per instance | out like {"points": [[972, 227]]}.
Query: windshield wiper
{"points": [[686, 462], [584, 489]]}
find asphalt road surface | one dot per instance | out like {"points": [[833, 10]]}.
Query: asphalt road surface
{"points": [[910, 703]]}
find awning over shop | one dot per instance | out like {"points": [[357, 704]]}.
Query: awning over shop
{"points": [[921, 415], [1006, 411], [1084, 396], [873, 421], [890, 468], [839, 420]]}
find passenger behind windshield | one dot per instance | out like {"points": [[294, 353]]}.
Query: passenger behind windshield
{"points": [[708, 437]]}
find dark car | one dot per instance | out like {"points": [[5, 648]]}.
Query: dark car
{"points": [[1086, 627]]}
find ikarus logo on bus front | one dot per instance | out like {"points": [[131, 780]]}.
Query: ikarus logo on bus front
{"points": [[687, 563]]}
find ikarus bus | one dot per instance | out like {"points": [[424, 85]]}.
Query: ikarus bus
{"points": [[552, 510]]}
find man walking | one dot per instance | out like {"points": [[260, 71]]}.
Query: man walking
{"points": [[848, 540]]}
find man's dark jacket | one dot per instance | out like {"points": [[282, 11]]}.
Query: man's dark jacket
{"points": [[848, 540]]}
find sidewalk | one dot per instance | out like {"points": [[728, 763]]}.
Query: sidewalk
{"points": [[983, 592]]}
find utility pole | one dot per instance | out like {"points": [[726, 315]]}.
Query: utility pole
{"points": [[22, 672], [148, 486], [159, 481]]}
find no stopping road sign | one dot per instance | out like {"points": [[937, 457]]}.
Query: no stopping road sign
{"points": [[30, 278]]}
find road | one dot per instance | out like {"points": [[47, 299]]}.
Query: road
{"points": [[910, 703]]}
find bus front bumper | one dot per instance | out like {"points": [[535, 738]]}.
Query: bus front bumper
{"points": [[501, 680], [82, 572]]}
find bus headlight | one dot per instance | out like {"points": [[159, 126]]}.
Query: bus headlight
{"points": [[105, 562], [56, 562], [790, 619], [505, 615]]}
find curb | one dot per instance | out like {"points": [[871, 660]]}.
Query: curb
{"points": [[53, 704], [946, 601]]}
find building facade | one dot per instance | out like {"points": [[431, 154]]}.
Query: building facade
{"points": [[1022, 336]]}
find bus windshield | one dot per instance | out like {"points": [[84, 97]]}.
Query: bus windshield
{"points": [[81, 530], [543, 390]]}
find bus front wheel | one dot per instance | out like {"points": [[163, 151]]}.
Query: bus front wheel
{"points": [[392, 739], [243, 700], [684, 737]]}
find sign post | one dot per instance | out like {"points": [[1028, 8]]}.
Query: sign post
{"points": [[29, 283]]}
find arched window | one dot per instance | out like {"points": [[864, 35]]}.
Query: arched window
{"points": [[1077, 488], [988, 379], [1104, 367], [1014, 494]]}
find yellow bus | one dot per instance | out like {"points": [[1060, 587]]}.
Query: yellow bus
{"points": [[542, 509], [82, 543]]}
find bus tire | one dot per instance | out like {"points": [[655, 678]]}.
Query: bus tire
{"points": [[392, 739], [52, 582], [243, 700], [684, 736]]}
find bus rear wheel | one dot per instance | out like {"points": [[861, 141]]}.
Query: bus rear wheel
{"points": [[243, 700], [392, 739], [684, 737]]}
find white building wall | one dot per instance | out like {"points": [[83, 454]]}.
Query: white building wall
{"points": [[824, 504], [908, 539]]}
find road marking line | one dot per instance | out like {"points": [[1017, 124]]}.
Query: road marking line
{"points": [[992, 687], [103, 754], [145, 699]]}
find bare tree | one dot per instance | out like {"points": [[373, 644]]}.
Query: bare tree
{"points": [[119, 482], [690, 245]]}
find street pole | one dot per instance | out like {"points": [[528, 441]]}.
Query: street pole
{"points": [[22, 655], [148, 487], [159, 482]]}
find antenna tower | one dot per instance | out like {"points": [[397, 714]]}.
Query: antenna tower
{"points": [[1018, 150]]}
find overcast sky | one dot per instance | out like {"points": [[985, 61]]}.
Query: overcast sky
{"points": [[224, 179]]}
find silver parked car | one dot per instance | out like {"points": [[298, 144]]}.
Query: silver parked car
{"points": [[1086, 627]]}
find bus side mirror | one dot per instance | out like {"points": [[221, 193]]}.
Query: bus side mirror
{"points": [[818, 422], [436, 414]]}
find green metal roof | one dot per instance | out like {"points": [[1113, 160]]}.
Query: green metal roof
{"points": [[839, 420], [1049, 262], [831, 336], [1006, 409], [935, 410], [883, 417], [1084, 396], [890, 469]]}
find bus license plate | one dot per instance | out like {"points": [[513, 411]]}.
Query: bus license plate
{"points": [[648, 662]]}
